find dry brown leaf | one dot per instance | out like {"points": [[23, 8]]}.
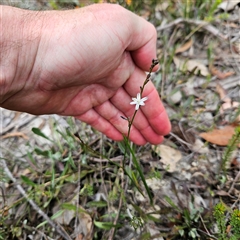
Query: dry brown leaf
{"points": [[184, 47], [169, 156], [24, 172], [190, 65], [222, 193], [228, 104], [222, 93], [220, 136], [15, 134], [221, 75], [236, 46]]}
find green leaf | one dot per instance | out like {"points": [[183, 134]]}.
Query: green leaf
{"points": [[57, 214], [28, 181], [121, 146], [38, 132], [146, 236], [30, 156], [69, 206], [137, 165], [106, 225], [56, 156], [38, 151], [97, 204], [169, 200]]}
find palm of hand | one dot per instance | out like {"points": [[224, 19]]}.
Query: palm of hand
{"points": [[94, 80]]}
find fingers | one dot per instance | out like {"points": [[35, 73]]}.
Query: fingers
{"points": [[151, 121], [110, 125], [121, 100], [153, 110]]}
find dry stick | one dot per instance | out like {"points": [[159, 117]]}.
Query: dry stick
{"points": [[57, 228], [180, 140], [234, 182], [203, 24], [207, 232], [13, 125], [114, 159]]}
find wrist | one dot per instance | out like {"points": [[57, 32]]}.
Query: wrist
{"points": [[20, 36]]}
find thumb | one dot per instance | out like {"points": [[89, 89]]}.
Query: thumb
{"points": [[142, 46]]}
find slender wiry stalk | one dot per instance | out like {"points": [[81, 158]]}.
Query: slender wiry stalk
{"points": [[130, 121]]}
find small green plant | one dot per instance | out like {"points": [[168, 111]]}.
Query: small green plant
{"points": [[188, 225], [232, 145], [219, 214], [191, 218], [235, 224]]}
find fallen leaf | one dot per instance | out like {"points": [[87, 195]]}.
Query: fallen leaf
{"points": [[222, 193], [220, 136], [184, 47], [236, 46], [162, 6], [191, 65], [221, 75], [222, 93], [15, 134], [228, 5], [169, 156], [228, 104], [199, 147]]}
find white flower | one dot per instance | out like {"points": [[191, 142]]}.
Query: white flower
{"points": [[138, 101]]}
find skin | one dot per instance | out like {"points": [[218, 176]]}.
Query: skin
{"points": [[87, 63]]}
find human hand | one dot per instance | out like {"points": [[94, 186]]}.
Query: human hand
{"points": [[89, 63]]}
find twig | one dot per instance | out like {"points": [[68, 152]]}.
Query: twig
{"points": [[209, 235], [13, 125], [207, 232], [180, 140], [202, 24], [57, 228], [235, 180], [101, 160]]}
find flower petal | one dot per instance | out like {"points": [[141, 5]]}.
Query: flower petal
{"points": [[138, 96], [137, 107]]}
